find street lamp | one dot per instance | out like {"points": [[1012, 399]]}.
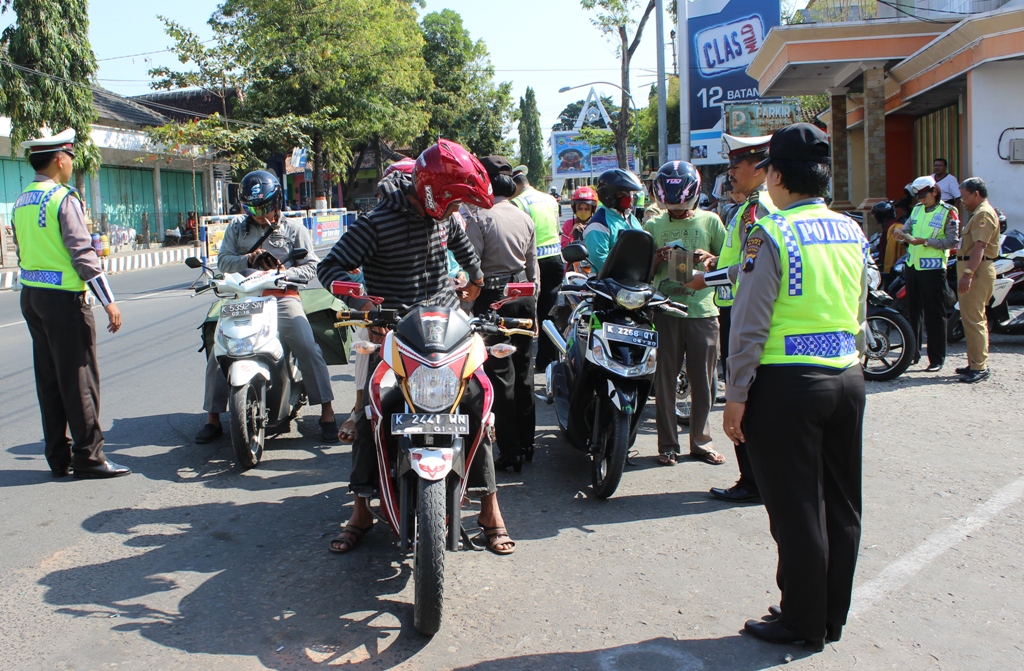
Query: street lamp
{"points": [[636, 114]]}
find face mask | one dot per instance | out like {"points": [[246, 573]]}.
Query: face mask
{"points": [[584, 215], [625, 202]]}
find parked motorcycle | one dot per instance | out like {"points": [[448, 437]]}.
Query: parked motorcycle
{"points": [[430, 409], [890, 342], [608, 355], [265, 388], [1004, 311]]}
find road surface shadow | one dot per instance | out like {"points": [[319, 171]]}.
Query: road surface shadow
{"points": [[254, 580], [732, 653]]}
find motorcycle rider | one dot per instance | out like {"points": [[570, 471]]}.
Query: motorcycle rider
{"points": [[615, 189], [504, 239], [583, 203], [263, 240], [931, 231], [695, 336], [890, 249], [400, 244]]}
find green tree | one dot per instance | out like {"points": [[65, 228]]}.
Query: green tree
{"points": [[347, 71], [46, 71], [614, 18], [466, 105], [531, 143]]}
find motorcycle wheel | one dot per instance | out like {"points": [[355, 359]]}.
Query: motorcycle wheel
{"points": [[954, 327], [243, 412], [428, 559], [609, 459], [682, 398], [894, 347]]}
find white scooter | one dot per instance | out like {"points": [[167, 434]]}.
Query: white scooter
{"points": [[264, 382]]}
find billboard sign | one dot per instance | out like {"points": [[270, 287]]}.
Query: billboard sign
{"points": [[573, 157], [725, 36], [756, 119]]}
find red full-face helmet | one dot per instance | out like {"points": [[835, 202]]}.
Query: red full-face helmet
{"points": [[584, 194], [404, 166], [446, 173]]}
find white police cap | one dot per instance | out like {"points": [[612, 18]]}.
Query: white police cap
{"points": [[63, 141]]}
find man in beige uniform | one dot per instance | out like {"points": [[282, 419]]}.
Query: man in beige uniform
{"points": [[979, 247]]}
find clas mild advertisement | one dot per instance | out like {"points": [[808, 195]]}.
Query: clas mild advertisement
{"points": [[725, 36]]}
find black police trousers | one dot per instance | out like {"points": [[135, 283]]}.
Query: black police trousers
{"points": [[804, 431]]}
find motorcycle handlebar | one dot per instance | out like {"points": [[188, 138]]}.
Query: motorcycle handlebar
{"points": [[510, 323], [371, 317]]}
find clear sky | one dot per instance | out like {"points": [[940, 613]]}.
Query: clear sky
{"points": [[546, 44]]}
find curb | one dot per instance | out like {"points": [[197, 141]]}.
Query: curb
{"points": [[114, 265]]}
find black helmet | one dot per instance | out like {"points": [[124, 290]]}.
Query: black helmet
{"points": [[1002, 220], [611, 183], [703, 202], [260, 193], [883, 211], [677, 183]]}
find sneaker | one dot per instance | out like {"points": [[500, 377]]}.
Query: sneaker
{"points": [[962, 371], [975, 376]]}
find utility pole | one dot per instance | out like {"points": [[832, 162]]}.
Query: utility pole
{"points": [[659, 19], [682, 31]]}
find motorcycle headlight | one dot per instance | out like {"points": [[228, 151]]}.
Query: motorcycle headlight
{"points": [[632, 300], [874, 278], [433, 389], [604, 359], [243, 346]]}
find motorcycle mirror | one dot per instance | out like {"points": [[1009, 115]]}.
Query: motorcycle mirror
{"points": [[352, 289], [297, 254], [575, 252], [193, 262], [520, 289]]}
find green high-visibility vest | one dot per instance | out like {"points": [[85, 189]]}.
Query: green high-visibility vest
{"points": [[44, 260], [815, 318], [543, 209], [928, 225], [732, 250]]}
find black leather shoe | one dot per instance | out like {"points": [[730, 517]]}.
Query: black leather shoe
{"points": [[962, 371], [972, 376], [60, 472], [833, 632], [107, 469], [329, 431], [735, 494], [515, 463], [933, 368], [775, 632], [209, 433]]}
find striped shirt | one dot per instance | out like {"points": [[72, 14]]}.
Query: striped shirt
{"points": [[403, 255]]}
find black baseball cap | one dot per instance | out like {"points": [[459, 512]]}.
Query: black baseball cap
{"points": [[496, 165], [799, 142]]}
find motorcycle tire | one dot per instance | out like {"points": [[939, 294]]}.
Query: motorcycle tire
{"points": [[428, 558], [609, 459], [954, 327], [886, 323], [683, 397], [244, 407]]}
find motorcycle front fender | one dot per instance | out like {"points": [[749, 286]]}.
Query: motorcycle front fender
{"points": [[623, 395], [241, 372]]}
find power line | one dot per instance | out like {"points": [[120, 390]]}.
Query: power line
{"points": [[146, 53]]}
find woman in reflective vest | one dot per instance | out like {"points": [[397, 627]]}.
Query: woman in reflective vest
{"points": [[931, 231]]}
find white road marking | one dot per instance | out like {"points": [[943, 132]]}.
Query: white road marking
{"points": [[899, 573]]}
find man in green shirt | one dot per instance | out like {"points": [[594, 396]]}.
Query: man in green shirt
{"points": [[682, 227]]}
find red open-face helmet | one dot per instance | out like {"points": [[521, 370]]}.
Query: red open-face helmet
{"points": [[446, 173]]}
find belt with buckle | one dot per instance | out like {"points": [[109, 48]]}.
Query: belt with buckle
{"points": [[984, 258], [499, 281]]}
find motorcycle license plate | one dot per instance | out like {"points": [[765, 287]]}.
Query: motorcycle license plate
{"points": [[449, 425], [631, 335], [242, 309]]}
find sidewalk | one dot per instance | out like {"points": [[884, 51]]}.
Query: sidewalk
{"points": [[123, 262]]}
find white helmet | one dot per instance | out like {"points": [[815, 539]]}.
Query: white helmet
{"points": [[921, 184]]}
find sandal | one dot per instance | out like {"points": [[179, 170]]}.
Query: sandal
{"points": [[350, 535], [347, 433], [496, 536], [667, 459], [710, 457]]}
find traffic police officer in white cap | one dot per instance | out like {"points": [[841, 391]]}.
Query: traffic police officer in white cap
{"points": [[57, 264]]}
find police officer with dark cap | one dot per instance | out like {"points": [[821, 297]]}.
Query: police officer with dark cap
{"points": [[505, 240], [57, 264], [795, 387]]}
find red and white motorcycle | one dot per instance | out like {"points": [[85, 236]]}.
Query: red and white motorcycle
{"points": [[430, 408]]}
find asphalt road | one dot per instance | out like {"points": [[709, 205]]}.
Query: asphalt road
{"points": [[191, 564]]}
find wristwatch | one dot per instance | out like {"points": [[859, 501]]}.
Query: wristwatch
{"points": [[968, 271], [479, 281]]}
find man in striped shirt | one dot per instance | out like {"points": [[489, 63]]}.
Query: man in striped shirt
{"points": [[401, 246]]}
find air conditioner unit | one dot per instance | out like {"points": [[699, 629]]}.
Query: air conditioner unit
{"points": [[1017, 150]]}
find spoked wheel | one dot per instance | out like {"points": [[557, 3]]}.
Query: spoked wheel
{"points": [[245, 411], [428, 558], [893, 348], [683, 398], [609, 457]]}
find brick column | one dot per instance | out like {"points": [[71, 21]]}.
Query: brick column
{"points": [[840, 152], [874, 137]]}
